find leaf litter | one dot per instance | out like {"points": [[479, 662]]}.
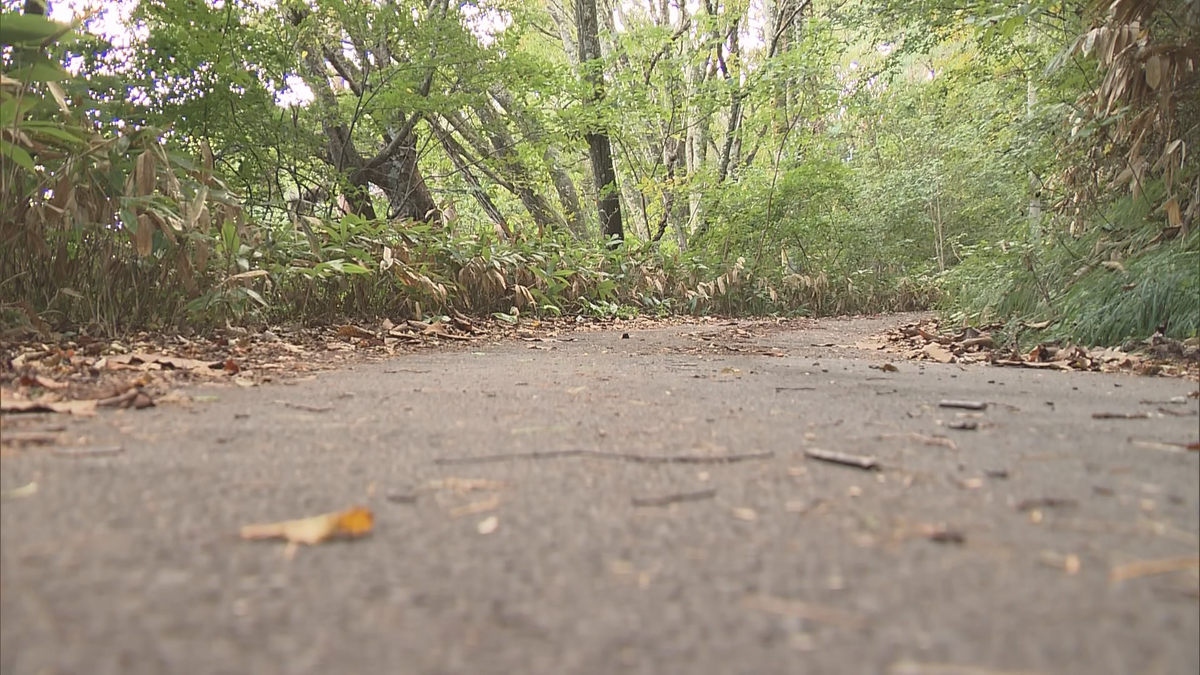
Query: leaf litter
{"points": [[925, 340]]}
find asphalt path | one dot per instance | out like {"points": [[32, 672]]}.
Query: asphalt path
{"points": [[620, 503]]}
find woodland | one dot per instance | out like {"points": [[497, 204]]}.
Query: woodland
{"points": [[191, 163]]}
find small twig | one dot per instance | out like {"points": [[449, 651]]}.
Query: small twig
{"points": [[305, 406], [940, 441], [667, 500], [914, 668], [1144, 568], [1046, 503], [1177, 413], [966, 405], [857, 461], [641, 459], [119, 400], [79, 453], [1121, 416], [29, 437], [804, 610], [782, 389]]}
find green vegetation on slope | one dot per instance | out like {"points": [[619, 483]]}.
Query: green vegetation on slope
{"points": [[317, 161]]}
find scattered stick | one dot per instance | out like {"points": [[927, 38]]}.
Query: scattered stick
{"points": [[783, 389], [927, 440], [1046, 503], [640, 459], [306, 407], [119, 400], [667, 500], [1143, 568], [981, 341], [1158, 445], [1121, 416], [475, 508], [79, 453], [29, 437], [864, 462], [965, 405], [1177, 413], [804, 610], [914, 668]]}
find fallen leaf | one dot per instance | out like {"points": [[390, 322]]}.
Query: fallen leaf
{"points": [[173, 362], [746, 514], [488, 525], [70, 407], [352, 331], [938, 353], [354, 522], [23, 491], [48, 383], [1069, 563]]}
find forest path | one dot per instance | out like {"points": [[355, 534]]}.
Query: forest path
{"points": [[1020, 545]]}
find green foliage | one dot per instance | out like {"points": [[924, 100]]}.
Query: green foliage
{"points": [[863, 157]]}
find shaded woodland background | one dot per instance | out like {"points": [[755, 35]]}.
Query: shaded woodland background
{"points": [[172, 163]]}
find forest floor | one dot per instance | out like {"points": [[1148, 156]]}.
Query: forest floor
{"points": [[657, 500]]}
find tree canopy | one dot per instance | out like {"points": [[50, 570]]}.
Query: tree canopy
{"points": [[174, 161]]}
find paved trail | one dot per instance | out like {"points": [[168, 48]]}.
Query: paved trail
{"points": [[131, 564]]}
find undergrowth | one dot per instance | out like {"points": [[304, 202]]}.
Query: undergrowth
{"points": [[1123, 280]]}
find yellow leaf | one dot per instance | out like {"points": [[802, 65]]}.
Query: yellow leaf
{"points": [[1173, 215], [145, 173], [353, 522], [143, 239], [1153, 71]]}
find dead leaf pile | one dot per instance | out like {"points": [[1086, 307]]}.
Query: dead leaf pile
{"points": [[925, 341]]}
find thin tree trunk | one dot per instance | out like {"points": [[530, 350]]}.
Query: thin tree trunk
{"points": [[458, 158], [608, 196], [568, 198]]}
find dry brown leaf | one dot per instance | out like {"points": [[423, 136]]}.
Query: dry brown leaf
{"points": [[70, 407], [938, 353], [746, 514], [352, 331], [145, 361], [353, 522], [48, 383]]}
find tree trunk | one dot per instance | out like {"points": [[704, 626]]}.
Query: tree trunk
{"points": [[608, 196]]}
